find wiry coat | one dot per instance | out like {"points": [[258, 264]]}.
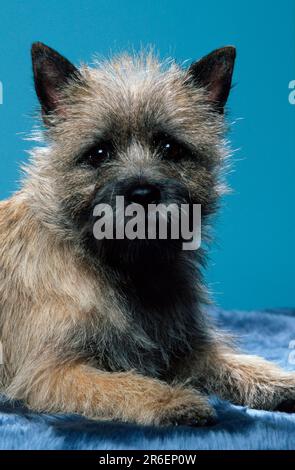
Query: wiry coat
{"points": [[115, 331]]}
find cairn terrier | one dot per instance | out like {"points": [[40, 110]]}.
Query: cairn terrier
{"points": [[116, 329]]}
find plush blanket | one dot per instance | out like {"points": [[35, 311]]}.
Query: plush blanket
{"points": [[268, 333]]}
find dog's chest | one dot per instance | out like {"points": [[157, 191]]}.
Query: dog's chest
{"points": [[151, 343]]}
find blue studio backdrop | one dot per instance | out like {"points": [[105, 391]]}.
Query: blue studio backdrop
{"points": [[252, 263]]}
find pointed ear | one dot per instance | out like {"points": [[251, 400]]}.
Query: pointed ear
{"points": [[214, 72], [52, 72]]}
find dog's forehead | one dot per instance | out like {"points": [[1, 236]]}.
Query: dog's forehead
{"points": [[136, 79], [141, 94]]}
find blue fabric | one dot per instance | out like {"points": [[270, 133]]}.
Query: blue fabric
{"points": [[268, 333]]}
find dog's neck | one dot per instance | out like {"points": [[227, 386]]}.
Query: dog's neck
{"points": [[159, 284]]}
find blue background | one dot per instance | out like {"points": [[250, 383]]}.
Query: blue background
{"points": [[252, 262]]}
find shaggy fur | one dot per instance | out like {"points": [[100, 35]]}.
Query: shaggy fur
{"points": [[263, 332], [116, 329]]}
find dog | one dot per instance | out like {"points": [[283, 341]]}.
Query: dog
{"points": [[116, 329]]}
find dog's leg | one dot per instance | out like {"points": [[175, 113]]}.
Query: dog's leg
{"points": [[80, 388], [246, 380]]}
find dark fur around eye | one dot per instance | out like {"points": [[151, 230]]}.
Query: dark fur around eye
{"points": [[170, 148], [96, 154]]}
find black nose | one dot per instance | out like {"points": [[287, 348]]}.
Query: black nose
{"points": [[144, 194]]}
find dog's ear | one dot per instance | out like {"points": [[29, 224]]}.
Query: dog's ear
{"points": [[214, 73], [52, 72]]}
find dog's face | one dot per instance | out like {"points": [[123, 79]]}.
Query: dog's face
{"points": [[133, 127]]}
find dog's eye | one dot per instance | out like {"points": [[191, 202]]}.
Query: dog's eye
{"points": [[96, 154], [169, 148]]}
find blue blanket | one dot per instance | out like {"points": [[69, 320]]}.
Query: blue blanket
{"points": [[268, 333]]}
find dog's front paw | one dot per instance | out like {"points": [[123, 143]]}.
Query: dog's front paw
{"points": [[187, 408]]}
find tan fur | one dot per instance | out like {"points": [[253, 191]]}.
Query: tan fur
{"points": [[48, 290]]}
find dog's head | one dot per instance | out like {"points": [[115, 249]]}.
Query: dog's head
{"points": [[134, 127]]}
